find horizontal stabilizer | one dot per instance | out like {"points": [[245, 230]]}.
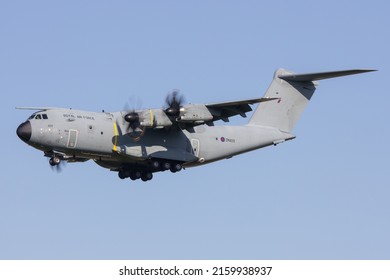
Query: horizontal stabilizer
{"points": [[293, 92], [321, 75]]}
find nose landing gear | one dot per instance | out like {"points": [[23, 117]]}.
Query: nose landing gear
{"points": [[54, 160]]}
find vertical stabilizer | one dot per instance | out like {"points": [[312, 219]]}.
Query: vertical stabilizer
{"points": [[292, 92]]}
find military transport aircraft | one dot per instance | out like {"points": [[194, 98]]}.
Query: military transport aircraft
{"points": [[138, 143]]}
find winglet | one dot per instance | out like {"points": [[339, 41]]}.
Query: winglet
{"points": [[309, 77]]}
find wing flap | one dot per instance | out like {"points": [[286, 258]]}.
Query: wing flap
{"points": [[225, 110]]}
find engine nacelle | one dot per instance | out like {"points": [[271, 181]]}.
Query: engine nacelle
{"points": [[154, 118], [195, 113]]}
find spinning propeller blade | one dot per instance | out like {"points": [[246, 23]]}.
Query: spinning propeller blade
{"points": [[174, 102]]}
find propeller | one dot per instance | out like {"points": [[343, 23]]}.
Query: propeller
{"points": [[134, 128], [133, 119], [174, 102]]}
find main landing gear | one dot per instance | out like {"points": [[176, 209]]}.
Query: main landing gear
{"points": [[135, 175], [145, 173]]}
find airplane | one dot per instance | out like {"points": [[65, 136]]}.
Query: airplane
{"points": [[138, 143]]}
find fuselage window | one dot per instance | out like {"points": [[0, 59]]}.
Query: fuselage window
{"points": [[38, 117], [44, 116], [31, 117]]}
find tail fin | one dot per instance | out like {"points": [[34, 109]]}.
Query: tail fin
{"points": [[293, 92]]}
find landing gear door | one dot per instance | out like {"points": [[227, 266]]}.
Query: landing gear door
{"points": [[195, 147], [72, 141]]}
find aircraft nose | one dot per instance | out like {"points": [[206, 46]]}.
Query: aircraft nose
{"points": [[24, 131]]}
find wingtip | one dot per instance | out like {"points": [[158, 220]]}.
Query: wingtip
{"points": [[366, 70]]}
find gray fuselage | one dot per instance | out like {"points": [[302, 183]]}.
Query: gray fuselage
{"points": [[82, 135]]}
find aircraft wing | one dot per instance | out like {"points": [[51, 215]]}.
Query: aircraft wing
{"points": [[225, 110], [36, 108]]}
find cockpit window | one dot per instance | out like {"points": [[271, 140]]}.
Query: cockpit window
{"points": [[38, 116]]}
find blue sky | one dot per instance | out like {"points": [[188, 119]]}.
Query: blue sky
{"points": [[322, 196]]}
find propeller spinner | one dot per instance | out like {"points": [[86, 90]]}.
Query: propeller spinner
{"points": [[133, 119], [174, 101], [134, 128]]}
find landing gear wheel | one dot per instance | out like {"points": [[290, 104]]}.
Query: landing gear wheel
{"points": [[146, 176], [165, 166], [121, 174], [54, 161], [135, 175], [155, 164], [176, 167]]}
